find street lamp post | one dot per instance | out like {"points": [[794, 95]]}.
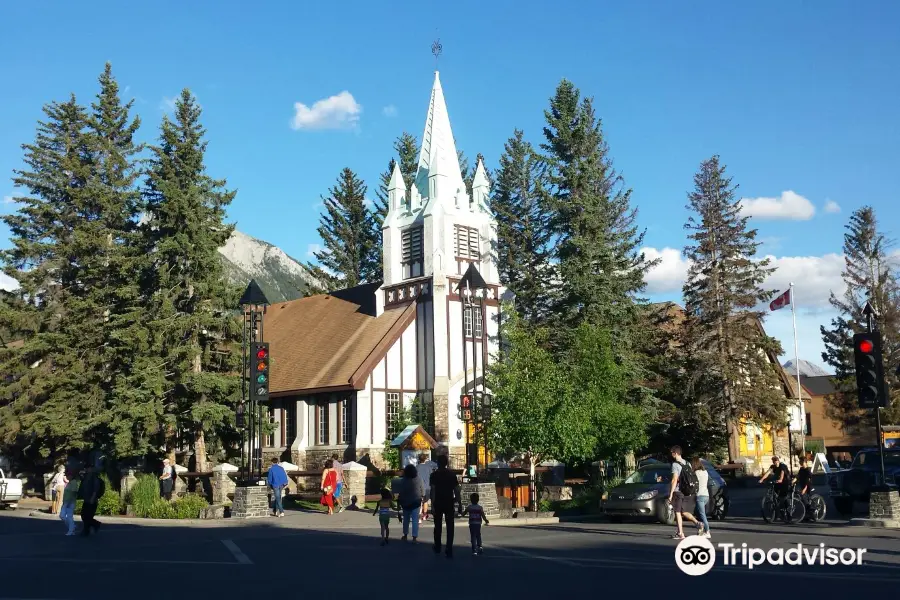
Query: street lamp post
{"points": [[253, 305]]}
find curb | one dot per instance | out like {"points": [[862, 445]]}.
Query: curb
{"points": [[151, 522], [524, 522], [876, 523]]}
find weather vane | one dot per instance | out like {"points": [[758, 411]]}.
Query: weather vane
{"points": [[437, 49]]}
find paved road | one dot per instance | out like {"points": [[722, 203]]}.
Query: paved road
{"points": [[311, 555]]}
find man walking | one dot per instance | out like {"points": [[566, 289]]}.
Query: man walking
{"points": [[277, 480], [445, 502], [90, 491], [683, 493]]}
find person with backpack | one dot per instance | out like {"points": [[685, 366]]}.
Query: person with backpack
{"points": [[683, 493]]}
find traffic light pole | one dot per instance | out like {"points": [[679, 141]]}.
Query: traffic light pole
{"points": [[878, 434]]}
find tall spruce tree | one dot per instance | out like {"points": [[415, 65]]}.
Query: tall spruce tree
{"points": [[351, 236], [870, 275], [190, 305], [523, 234], [599, 268], [731, 374], [53, 396]]}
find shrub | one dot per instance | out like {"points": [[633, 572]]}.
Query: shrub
{"points": [[144, 497], [189, 506], [159, 509], [109, 503], [78, 504]]}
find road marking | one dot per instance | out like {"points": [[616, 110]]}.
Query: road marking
{"points": [[238, 555], [116, 561]]}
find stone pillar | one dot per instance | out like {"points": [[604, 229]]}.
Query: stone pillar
{"points": [[181, 486], [441, 418], [126, 482], [250, 502], [222, 484], [292, 483], [355, 482], [48, 492], [487, 497], [884, 506]]}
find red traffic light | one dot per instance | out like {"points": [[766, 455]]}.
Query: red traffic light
{"points": [[466, 401], [866, 346], [261, 353]]}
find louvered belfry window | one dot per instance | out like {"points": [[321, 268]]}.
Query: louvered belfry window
{"points": [[466, 243], [412, 252]]}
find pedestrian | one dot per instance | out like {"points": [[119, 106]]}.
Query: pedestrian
{"points": [[277, 480], [328, 484], [90, 491], [425, 468], [702, 493], [339, 479], [57, 487], [476, 516], [383, 510], [68, 496], [410, 500], [445, 502], [167, 480], [683, 493]]}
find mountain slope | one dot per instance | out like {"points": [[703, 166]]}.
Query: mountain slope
{"points": [[280, 276], [807, 369]]}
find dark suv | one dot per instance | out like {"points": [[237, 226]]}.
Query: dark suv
{"points": [[854, 484]]}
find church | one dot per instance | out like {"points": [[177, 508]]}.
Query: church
{"points": [[345, 364]]}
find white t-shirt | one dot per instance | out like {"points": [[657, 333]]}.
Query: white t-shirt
{"points": [[703, 481]]}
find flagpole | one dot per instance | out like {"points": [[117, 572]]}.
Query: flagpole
{"points": [[799, 388]]}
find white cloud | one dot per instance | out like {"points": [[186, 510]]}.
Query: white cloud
{"points": [[815, 277], [167, 104], [335, 112], [669, 274], [312, 249], [790, 206], [8, 283], [389, 111], [8, 200], [832, 207]]}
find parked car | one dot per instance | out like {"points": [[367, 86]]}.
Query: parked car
{"points": [[10, 491], [855, 484], [646, 491]]}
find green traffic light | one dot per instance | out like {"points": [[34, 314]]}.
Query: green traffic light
{"points": [[261, 378]]}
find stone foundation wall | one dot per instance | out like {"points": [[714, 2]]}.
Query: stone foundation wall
{"points": [[884, 505], [250, 502], [487, 493]]}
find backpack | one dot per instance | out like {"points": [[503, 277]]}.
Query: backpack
{"points": [[687, 481]]}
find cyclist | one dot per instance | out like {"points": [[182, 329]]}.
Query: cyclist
{"points": [[782, 479], [803, 478]]}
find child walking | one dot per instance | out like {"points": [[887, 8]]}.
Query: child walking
{"points": [[67, 512], [476, 516], [383, 510]]}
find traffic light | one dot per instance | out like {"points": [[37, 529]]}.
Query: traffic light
{"points": [[259, 371], [869, 370], [465, 407]]}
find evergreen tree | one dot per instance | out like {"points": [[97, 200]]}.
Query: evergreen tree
{"points": [[350, 233], [728, 358], [190, 305], [599, 268], [52, 398], [522, 229], [870, 275]]}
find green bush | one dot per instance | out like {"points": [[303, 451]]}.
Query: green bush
{"points": [[109, 503], [159, 509], [189, 506], [78, 504], [144, 497]]}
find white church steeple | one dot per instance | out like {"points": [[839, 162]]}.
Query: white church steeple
{"points": [[396, 190], [481, 187], [438, 151]]}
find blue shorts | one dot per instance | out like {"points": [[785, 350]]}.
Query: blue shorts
{"points": [[338, 488]]}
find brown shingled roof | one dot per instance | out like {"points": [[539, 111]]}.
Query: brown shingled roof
{"points": [[325, 343]]}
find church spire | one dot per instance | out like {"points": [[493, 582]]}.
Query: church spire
{"points": [[438, 145], [396, 189], [481, 187]]}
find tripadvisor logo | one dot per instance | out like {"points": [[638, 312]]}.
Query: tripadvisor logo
{"points": [[696, 555]]}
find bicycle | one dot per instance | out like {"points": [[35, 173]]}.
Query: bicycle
{"points": [[815, 506], [790, 508]]}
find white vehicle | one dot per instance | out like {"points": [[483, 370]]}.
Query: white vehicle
{"points": [[10, 491]]}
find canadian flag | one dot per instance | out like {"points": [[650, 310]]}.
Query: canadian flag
{"points": [[781, 301]]}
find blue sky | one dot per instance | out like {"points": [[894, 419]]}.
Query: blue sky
{"points": [[799, 99]]}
